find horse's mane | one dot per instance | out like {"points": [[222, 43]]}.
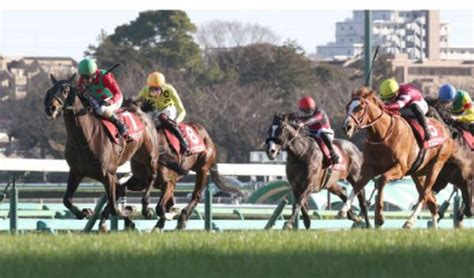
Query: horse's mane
{"points": [[368, 94]]}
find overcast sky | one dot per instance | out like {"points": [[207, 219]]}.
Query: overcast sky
{"points": [[68, 33]]}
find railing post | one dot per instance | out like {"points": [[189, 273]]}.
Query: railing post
{"points": [[14, 206], [98, 208], [276, 214], [208, 208]]}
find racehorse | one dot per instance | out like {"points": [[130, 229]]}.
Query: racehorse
{"points": [[91, 150], [305, 170], [391, 151], [172, 167], [451, 172]]}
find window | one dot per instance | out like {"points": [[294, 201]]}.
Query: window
{"points": [[350, 27], [342, 28]]}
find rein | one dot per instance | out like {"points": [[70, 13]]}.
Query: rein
{"points": [[358, 121]]}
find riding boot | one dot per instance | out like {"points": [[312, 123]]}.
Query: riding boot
{"points": [[122, 129], [421, 119], [328, 142], [180, 137]]}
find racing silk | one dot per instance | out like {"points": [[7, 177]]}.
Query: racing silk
{"points": [[407, 94], [168, 97], [104, 87], [319, 120], [462, 109]]}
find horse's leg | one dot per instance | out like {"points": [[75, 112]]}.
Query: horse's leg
{"points": [[419, 180], [163, 203], [200, 184], [306, 216], [301, 200], [337, 190], [362, 202], [111, 184], [367, 173], [363, 207], [428, 195], [146, 211], [378, 217], [73, 182], [440, 183]]}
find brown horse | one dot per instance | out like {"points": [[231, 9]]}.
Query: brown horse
{"points": [[169, 173], [451, 172], [305, 171], [391, 151], [91, 152]]}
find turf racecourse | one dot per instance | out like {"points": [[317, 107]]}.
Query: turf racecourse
{"points": [[358, 253]]}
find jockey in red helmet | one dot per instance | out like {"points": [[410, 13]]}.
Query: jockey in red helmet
{"points": [[317, 122]]}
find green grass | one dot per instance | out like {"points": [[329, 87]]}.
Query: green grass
{"points": [[358, 253]]}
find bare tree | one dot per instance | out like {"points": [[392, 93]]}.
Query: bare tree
{"points": [[226, 34]]}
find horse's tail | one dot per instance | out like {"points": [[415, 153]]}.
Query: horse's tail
{"points": [[462, 160], [221, 183]]}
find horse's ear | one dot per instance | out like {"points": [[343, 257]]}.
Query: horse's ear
{"points": [[53, 79], [72, 78]]}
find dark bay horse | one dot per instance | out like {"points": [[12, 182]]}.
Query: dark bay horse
{"points": [[451, 173], [173, 167], [391, 150], [305, 171], [91, 152]]}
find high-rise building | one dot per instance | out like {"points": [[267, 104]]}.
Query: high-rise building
{"points": [[419, 34]]}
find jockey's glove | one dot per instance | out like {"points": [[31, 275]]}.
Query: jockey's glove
{"points": [[103, 103]]}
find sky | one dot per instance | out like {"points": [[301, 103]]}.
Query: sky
{"points": [[69, 32]]}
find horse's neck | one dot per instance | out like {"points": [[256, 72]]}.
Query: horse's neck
{"points": [[378, 131], [298, 145], [80, 128]]}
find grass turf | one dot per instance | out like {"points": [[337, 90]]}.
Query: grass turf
{"points": [[358, 253]]}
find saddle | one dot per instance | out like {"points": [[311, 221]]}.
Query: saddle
{"points": [[195, 142], [134, 125], [435, 131]]}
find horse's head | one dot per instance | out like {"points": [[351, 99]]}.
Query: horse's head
{"points": [[59, 96], [357, 110], [279, 133]]}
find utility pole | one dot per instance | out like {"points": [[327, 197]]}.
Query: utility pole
{"points": [[367, 47]]}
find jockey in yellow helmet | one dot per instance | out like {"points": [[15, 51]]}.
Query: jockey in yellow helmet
{"points": [[168, 108], [407, 99]]}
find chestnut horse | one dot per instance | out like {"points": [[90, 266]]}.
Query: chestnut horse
{"points": [[91, 152], [305, 171], [170, 172], [391, 151], [451, 172]]}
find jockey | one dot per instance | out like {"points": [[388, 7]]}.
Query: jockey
{"points": [[105, 92], [317, 122], [407, 99], [460, 102], [169, 110]]}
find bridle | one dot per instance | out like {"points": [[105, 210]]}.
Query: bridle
{"points": [[359, 121], [66, 103], [278, 141]]}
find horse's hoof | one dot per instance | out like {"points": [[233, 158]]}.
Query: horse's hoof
{"points": [[307, 223], [458, 224], [103, 229], [357, 219], [129, 226], [358, 225], [408, 225], [287, 226], [156, 230], [379, 221], [148, 214], [341, 215], [87, 212]]}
